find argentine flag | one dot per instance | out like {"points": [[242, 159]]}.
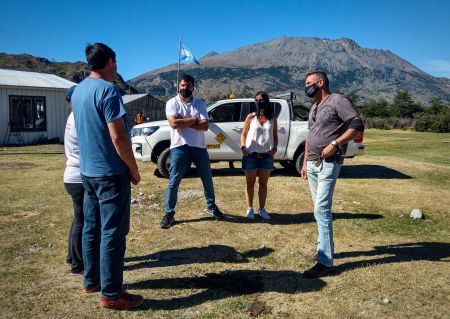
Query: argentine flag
{"points": [[186, 56]]}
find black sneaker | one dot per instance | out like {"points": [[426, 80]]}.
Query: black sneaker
{"points": [[216, 213], [167, 221], [318, 270]]}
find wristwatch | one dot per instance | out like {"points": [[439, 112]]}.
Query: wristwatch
{"points": [[243, 147], [335, 144]]}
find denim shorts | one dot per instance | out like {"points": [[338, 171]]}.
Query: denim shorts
{"points": [[253, 163]]}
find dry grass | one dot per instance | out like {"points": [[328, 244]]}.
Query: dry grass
{"points": [[207, 269]]}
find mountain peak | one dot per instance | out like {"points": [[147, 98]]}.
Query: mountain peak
{"points": [[210, 54], [349, 43]]}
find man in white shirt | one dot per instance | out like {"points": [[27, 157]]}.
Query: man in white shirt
{"points": [[188, 119]]}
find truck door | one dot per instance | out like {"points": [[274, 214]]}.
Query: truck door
{"points": [[224, 133]]}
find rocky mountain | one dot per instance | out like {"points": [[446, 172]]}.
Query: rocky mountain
{"points": [[74, 72], [281, 64]]}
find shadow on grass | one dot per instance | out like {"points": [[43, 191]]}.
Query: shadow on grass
{"points": [[224, 285], [208, 254], [284, 218], [364, 171], [371, 171], [431, 251]]}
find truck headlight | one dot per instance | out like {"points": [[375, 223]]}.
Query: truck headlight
{"points": [[144, 131]]}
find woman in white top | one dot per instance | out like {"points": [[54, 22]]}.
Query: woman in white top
{"points": [[74, 186], [259, 140]]}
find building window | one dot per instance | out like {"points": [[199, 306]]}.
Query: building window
{"points": [[27, 113]]}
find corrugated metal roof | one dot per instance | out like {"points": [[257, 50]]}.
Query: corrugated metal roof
{"points": [[33, 79], [131, 97]]}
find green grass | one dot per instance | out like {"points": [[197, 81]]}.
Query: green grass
{"points": [[380, 251]]}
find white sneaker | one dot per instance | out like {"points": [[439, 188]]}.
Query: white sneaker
{"points": [[250, 213], [263, 213]]}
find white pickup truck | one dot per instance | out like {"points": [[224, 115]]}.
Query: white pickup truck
{"points": [[151, 140]]}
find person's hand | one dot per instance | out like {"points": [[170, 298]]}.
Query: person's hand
{"points": [[303, 172], [273, 151], [328, 151], [245, 152], [195, 120], [135, 177]]}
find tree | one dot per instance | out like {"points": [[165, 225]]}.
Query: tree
{"points": [[437, 106], [404, 106], [354, 97], [375, 108]]}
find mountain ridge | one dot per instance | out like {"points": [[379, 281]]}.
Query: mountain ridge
{"points": [[281, 64], [72, 71]]}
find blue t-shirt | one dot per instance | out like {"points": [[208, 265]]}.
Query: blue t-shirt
{"points": [[96, 103]]}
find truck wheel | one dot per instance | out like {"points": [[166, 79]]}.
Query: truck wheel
{"points": [[299, 161], [163, 163]]}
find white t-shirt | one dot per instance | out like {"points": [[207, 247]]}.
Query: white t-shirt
{"points": [[178, 108], [72, 171]]}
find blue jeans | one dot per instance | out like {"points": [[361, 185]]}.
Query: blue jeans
{"points": [[321, 181], [181, 159], [106, 224]]}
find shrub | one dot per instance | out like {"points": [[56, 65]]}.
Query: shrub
{"points": [[387, 123], [436, 123]]}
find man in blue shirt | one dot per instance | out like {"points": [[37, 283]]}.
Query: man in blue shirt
{"points": [[107, 165]]}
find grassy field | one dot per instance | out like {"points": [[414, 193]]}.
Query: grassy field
{"points": [[387, 265]]}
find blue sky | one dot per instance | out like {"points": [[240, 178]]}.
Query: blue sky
{"points": [[145, 34]]}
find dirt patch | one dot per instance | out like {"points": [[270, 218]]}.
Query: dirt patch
{"points": [[16, 166], [19, 215], [189, 194], [257, 306]]}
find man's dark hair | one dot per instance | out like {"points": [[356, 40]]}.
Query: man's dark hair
{"points": [[322, 76], [268, 109], [97, 55], [187, 78]]}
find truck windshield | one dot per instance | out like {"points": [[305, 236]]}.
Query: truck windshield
{"points": [[250, 107]]}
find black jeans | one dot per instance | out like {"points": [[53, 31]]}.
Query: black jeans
{"points": [[74, 252]]}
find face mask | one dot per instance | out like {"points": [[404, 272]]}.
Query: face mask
{"points": [[260, 105], [311, 90], [186, 93]]}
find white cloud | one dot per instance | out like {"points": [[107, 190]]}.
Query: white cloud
{"points": [[437, 67]]}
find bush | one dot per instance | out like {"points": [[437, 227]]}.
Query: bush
{"points": [[387, 123], [436, 123]]}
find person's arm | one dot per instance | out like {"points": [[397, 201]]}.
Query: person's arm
{"points": [[203, 120], [122, 144], [180, 123], [347, 136], [201, 125], [303, 171], [244, 133], [273, 151]]}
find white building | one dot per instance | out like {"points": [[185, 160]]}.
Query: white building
{"points": [[32, 107]]}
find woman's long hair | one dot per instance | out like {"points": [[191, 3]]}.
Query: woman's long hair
{"points": [[268, 112]]}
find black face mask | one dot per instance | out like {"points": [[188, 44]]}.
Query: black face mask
{"points": [[311, 90], [260, 105], [186, 93]]}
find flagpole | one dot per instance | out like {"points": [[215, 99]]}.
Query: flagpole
{"points": [[178, 72]]}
